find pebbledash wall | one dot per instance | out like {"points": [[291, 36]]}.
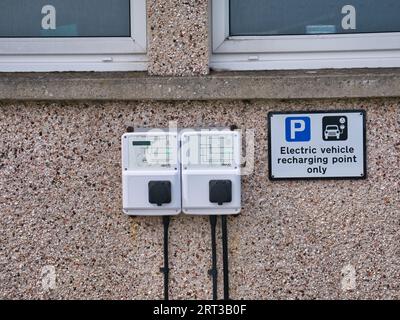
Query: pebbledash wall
{"points": [[63, 233]]}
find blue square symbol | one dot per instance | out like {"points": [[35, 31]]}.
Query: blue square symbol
{"points": [[298, 129]]}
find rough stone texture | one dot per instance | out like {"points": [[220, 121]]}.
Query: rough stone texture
{"points": [[60, 205], [178, 37]]}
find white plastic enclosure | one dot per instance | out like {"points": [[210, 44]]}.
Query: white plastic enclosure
{"points": [[209, 156], [148, 157]]}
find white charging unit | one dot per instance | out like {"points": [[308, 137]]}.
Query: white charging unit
{"points": [[211, 179], [151, 183]]}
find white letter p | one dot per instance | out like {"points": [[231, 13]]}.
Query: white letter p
{"points": [[294, 128]]}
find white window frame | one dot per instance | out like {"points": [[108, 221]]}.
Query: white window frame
{"points": [[80, 54], [366, 50]]}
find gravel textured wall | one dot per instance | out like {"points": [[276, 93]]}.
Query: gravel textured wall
{"points": [[60, 205], [178, 37]]}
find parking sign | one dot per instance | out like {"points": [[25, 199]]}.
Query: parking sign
{"points": [[317, 145], [298, 129]]}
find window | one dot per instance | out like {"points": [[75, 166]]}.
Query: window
{"points": [[72, 35], [307, 34]]}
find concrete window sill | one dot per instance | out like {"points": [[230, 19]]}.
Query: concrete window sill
{"points": [[321, 84]]}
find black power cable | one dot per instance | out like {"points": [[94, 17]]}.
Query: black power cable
{"points": [[225, 254], [214, 272], [165, 269]]}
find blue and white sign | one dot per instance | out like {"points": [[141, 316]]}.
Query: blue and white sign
{"points": [[298, 129], [315, 145]]}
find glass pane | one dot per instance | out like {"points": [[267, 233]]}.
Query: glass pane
{"points": [[299, 17], [64, 18]]}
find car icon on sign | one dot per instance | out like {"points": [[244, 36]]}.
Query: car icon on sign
{"points": [[332, 131]]}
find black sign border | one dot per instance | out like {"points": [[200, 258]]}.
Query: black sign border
{"points": [[363, 113]]}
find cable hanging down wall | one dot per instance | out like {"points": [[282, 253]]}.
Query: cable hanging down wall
{"points": [[225, 255], [165, 269], [214, 271]]}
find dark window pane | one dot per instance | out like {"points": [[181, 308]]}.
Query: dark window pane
{"points": [[64, 18], [299, 17]]}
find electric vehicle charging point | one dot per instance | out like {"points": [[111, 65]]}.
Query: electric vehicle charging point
{"points": [[211, 180], [195, 171], [151, 181], [211, 185]]}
